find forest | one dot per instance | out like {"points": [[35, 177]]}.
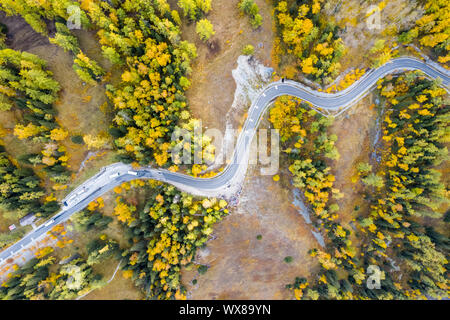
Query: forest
{"points": [[146, 84], [404, 191], [164, 236], [47, 277], [313, 41]]}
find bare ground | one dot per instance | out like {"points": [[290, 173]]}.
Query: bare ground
{"points": [[355, 130], [212, 85], [243, 267], [118, 289]]}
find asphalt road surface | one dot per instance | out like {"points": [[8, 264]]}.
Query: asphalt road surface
{"points": [[114, 175]]}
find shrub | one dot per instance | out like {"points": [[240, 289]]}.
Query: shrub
{"points": [[77, 139], [202, 269], [248, 50]]}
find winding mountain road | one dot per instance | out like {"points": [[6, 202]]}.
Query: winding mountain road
{"points": [[228, 181]]}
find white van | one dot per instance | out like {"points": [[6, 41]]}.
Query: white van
{"points": [[114, 175], [49, 223]]}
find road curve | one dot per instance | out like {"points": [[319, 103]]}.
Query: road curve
{"points": [[228, 181]]}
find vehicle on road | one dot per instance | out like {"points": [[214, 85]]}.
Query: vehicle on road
{"points": [[114, 175], [49, 222], [69, 201], [83, 190]]}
